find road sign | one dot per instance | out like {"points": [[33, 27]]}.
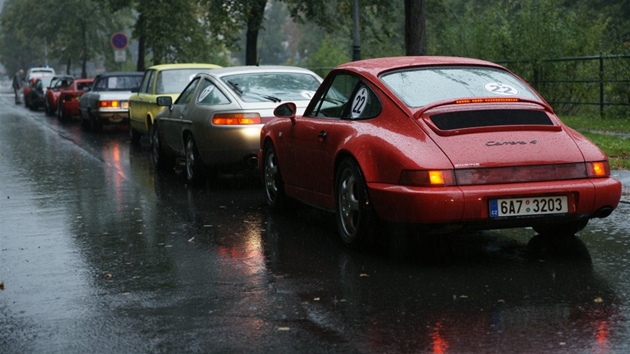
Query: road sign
{"points": [[119, 40], [120, 56]]}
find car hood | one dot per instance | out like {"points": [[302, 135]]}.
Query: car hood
{"points": [[494, 138]]}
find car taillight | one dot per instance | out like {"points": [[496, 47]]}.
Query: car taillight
{"points": [[427, 178], [236, 119], [598, 169], [109, 104]]}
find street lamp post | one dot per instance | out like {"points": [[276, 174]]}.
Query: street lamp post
{"points": [[356, 44]]}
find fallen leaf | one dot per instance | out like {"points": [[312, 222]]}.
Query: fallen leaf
{"points": [[108, 275], [598, 300], [283, 328]]}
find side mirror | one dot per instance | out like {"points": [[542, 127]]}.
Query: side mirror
{"points": [[286, 110], [164, 100]]}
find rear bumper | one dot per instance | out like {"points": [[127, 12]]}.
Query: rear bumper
{"points": [[112, 116], [470, 204]]}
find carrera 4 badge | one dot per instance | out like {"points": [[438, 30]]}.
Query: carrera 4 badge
{"points": [[503, 143]]}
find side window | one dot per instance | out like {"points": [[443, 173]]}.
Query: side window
{"points": [[365, 104], [101, 84], [333, 103], [211, 95], [147, 82], [186, 96]]}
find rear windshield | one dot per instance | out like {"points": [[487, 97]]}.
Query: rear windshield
{"points": [[419, 87], [118, 83], [175, 80], [280, 86]]}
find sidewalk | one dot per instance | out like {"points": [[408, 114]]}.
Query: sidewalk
{"points": [[624, 177]]}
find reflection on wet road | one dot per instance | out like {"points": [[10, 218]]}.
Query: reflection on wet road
{"points": [[98, 253]]}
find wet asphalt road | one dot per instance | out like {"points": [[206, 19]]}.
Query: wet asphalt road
{"points": [[100, 254]]}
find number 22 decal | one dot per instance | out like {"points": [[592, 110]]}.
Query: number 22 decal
{"points": [[359, 102], [501, 89]]}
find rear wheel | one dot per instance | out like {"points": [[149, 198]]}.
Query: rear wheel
{"points": [[158, 156], [95, 125], [194, 168], [355, 219], [274, 187], [134, 135], [60, 115], [49, 110]]}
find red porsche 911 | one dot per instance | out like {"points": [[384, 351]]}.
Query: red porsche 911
{"points": [[441, 143]]}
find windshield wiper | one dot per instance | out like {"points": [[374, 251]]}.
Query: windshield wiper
{"points": [[235, 87], [270, 98]]}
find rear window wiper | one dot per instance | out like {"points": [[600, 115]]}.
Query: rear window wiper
{"points": [[235, 87]]}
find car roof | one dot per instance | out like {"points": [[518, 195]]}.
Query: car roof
{"points": [[262, 68], [377, 66], [184, 66], [120, 73]]}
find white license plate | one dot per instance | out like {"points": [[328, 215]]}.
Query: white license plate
{"points": [[528, 206]]}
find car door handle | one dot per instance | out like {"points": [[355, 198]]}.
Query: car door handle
{"points": [[321, 136]]}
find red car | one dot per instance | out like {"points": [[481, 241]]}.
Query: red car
{"points": [[27, 91], [68, 100], [439, 143], [58, 84]]}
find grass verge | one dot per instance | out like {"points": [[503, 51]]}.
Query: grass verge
{"points": [[611, 135]]}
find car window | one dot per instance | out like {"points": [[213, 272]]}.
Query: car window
{"points": [[364, 104], [211, 95], [418, 87], [334, 101], [174, 81], [123, 83], [186, 96], [273, 86], [84, 86], [147, 82]]}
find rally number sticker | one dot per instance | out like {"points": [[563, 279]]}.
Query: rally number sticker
{"points": [[359, 103], [205, 93], [501, 89]]}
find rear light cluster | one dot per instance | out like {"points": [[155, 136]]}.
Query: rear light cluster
{"points": [[70, 98], [486, 100], [519, 174], [236, 119], [109, 104]]}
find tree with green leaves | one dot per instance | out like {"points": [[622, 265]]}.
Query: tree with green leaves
{"points": [[42, 32]]}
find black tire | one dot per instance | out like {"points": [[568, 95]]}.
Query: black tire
{"points": [[95, 125], [158, 157], [561, 229], [272, 179], [60, 115], [194, 165], [85, 123], [49, 111], [356, 221], [134, 135]]}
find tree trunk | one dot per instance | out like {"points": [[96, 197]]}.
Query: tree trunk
{"points": [[142, 39], [254, 24], [415, 28]]}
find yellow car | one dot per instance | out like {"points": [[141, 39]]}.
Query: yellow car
{"points": [[159, 80]]}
